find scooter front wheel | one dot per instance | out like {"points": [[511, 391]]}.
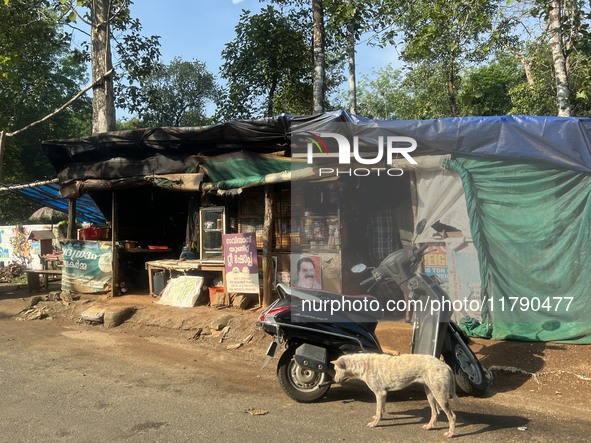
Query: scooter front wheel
{"points": [[301, 384], [469, 374]]}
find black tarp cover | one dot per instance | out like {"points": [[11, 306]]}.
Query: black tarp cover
{"points": [[563, 142]]}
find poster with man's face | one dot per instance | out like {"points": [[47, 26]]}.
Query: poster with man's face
{"points": [[306, 271]]}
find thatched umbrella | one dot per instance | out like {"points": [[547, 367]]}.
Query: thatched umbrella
{"points": [[48, 215]]}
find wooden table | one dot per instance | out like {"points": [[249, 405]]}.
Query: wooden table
{"points": [[33, 277], [181, 266]]}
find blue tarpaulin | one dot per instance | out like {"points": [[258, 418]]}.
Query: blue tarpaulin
{"points": [[48, 195]]}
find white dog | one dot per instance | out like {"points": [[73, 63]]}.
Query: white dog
{"points": [[382, 373]]}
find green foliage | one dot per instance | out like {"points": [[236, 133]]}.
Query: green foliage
{"points": [[443, 34], [539, 99], [172, 95], [414, 94], [268, 65], [488, 87], [381, 97], [129, 124], [39, 72]]}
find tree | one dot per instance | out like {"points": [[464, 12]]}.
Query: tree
{"points": [[173, 95], [38, 73], [487, 88], [347, 20], [537, 96], [138, 54], [319, 54], [267, 62], [383, 96], [448, 34], [562, 27]]}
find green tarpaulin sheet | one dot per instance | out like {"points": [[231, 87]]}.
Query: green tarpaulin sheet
{"points": [[531, 225], [240, 169]]}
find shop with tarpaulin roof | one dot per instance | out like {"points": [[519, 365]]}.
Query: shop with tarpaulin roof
{"points": [[512, 189]]}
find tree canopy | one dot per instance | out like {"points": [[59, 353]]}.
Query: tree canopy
{"points": [[39, 72], [267, 65], [174, 94]]}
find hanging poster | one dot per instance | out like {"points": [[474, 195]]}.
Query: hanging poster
{"points": [[464, 282], [240, 259], [87, 266], [435, 263], [306, 271]]}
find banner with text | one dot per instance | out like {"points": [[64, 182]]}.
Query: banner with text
{"points": [[87, 266], [240, 258]]}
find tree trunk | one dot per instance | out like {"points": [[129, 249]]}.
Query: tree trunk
{"points": [[2, 148], [103, 100], [352, 81], [267, 247], [318, 88], [526, 65], [452, 94], [562, 91], [271, 98]]}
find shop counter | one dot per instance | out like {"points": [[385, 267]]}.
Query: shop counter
{"points": [[182, 266]]}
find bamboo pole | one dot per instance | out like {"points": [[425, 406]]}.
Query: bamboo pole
{"points": [[267, 247]]}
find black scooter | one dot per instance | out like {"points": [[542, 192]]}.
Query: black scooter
{"points": [[315, 333]]}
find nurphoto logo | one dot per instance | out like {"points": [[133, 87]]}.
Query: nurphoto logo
{"points": [[321, 145]]}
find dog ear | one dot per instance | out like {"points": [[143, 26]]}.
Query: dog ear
{"points": [[339, 363]]}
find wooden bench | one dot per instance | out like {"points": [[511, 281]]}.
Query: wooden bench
{"points": [[37, 279]]}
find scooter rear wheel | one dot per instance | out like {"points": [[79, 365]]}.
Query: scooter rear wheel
{"points": [[470, 376], [301, 384]]}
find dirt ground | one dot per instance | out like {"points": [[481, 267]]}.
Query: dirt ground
{"points": [[548, 377]]}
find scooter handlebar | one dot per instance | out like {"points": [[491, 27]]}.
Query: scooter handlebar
{"points": [[366, 281], [422, 248]]}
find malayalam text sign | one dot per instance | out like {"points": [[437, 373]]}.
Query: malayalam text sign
{"points": [[240, 259]]}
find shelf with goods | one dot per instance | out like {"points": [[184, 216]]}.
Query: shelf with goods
{"points": [[301, 221], [316, 217]]}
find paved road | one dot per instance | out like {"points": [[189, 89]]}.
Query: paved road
{"points": [[73, 383]]}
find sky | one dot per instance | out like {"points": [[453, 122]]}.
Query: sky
{"points": [[199, 29]]}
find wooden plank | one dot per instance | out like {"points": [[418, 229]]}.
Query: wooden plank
{"points": [[46, 271]]}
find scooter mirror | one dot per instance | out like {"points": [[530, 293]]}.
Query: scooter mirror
{"points": [[421, 226], [358, 268]]}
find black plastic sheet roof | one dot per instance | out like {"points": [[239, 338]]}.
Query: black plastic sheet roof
{"points": [[563, 142]]}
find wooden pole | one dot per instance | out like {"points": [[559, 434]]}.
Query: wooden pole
{"points": [[267, 246], [115, 244], [72, 219]]}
